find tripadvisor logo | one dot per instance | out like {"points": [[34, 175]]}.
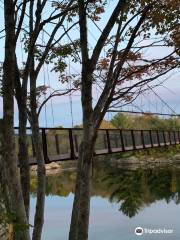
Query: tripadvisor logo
{"points": [[139, 231]]}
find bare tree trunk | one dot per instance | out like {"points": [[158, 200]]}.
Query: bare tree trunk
{"points": [[41, 173], [21, 96], [23, 158], [81, 207], [39, 215], [16, 203]]}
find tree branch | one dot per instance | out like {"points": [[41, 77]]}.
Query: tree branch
{"points": [[54, 94], [143, 82], [23, 11], [83, 32], [105, 33], [48, 45], [61, 14], [107, 94]]}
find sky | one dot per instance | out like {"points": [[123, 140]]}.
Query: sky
{"points": [[58, 112]]}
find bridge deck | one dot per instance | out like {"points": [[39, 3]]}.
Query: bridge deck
{"points": [[61, 144]]}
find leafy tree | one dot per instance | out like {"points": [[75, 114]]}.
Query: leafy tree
{"points": [[122, 121], [32, 25], [131, 29], [48, 51]]}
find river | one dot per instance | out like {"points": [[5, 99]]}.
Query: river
{"points": [[122, 199]]}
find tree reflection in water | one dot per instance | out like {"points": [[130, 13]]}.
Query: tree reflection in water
{"points": [[132, 189], [139, 188]]}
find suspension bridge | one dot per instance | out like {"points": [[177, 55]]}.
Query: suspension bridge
{"points": [[62, 144]]}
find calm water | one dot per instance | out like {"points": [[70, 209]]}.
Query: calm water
{"points": [[122, 199]]}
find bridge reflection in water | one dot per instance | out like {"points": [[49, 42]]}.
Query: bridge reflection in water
{"points": [[60, 144]]}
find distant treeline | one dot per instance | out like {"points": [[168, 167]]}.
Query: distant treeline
{"points": [[149, 121]]}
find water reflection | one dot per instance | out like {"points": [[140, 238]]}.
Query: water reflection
{"points": [[136, 189], [132, 189]]}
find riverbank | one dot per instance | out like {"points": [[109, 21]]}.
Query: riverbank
{"points": [[56, 167], [167, 156]]}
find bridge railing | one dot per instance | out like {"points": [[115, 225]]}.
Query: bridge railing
{"points": [[60, 144]]}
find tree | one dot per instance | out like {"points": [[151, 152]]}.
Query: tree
{"points": [[15, 203], [48, 50], [122, 121], [123, 73], [38, 52]]}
